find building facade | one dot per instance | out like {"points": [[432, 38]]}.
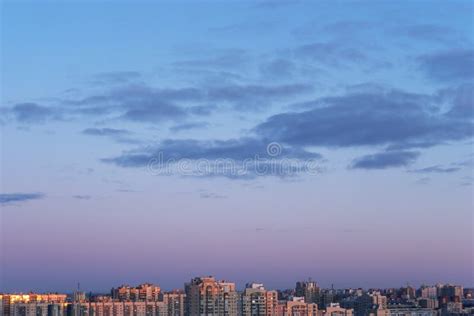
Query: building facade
{"points": [[207, 297]]}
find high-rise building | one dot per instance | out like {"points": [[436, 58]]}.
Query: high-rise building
{"points": [[309, 290], [450, 293], [117, 308], [334, 309], [175, 301], [431, 303], [297, 307], [207, 297], [143, 292], [29, 301], [428, 292], [257, 301], [370, 303], [326, 297]]}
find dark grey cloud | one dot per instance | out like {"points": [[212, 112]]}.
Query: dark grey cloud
{"points": [[143, 103], [137, 103], [105, 132], [461, 101], [385, 160], [391, 118], [237, 149], [448, 65], [188, 126], [436, 169], [10, 198], [33, 113], [243, 158]]}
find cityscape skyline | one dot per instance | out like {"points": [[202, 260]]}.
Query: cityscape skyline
{"points": [[266, 140], [238, 286], [208, 296]]}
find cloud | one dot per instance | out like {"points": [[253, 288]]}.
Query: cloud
{"points": [[203, 110], [188, 126], [10, 198], [228, 59], [424, 180], [391, 118], [116, 77], [237, 149], [461, 100], [33, 113], [467, 181], [137, 103], [436, 169], [118, 135], [246, 26], [448, 65], [206, 195], [428, 32], [372, 118], [385, 160], [330, 53], [255, 97], [82, 197], [275, 4], [233, 158], [142, 103], [341, 29], [105, 132], [154, 112], [278, 68]]}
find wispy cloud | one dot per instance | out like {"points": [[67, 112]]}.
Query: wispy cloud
{"points": [[385, 160], [436, 169], [116, 77], [105, 132], [11, 198], [456, 64], [118, 135], [33, 113], [429, 32], [82, 197], [207, 195], [188, 126]]}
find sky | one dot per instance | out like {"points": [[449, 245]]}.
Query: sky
{"points": [[265, 141]]}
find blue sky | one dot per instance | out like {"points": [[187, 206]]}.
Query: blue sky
{"points": [[372, 102]]}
